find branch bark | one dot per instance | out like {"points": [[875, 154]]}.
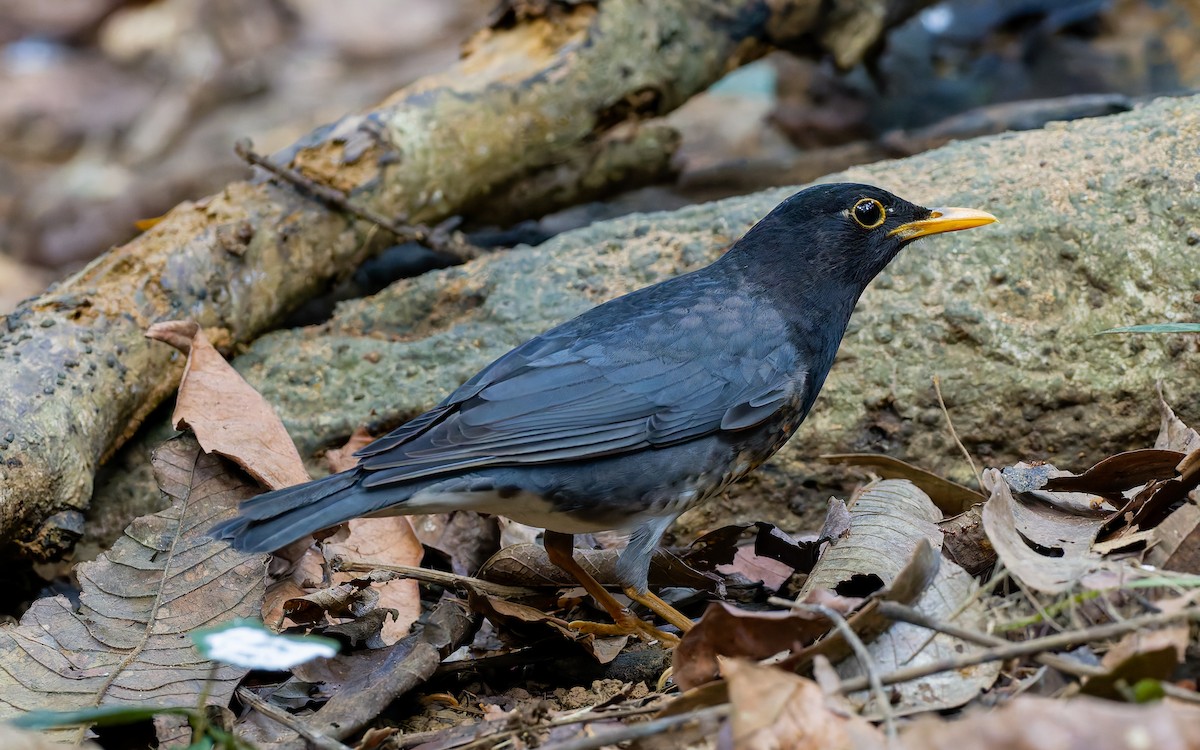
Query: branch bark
{"points": [[76, 376]]}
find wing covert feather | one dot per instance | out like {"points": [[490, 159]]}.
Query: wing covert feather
{"points": [[660, 376]]}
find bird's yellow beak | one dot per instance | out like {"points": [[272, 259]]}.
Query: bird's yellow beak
{"points": [[943, 220]]}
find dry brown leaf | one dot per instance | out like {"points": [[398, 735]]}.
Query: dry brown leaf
{"points": [[867, 622], [227, 415], [1173, 433], [342, 459], [773, 709], [1066, 539], [390, 541], [1139, 656], [887, 523], [1176, 541], [127, 643], [903, 645], [726, 631], [466, 539], [1030, 480], [1029, 723], [1156, 505], [723, 546], [340, 601], [364, 629], [1118, 473], [965, 542], [758, 568], [1147, 654], [517, 617], [949, 497], [302, 577], [772, 558]]}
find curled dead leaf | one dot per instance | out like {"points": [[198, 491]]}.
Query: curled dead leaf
{"points": [[389, 540], [517, 618], [1048, 549], [1121, 472], [226, 414], [887, 523]]}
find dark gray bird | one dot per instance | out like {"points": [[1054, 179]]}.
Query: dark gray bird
{"points": [[638, 409]]}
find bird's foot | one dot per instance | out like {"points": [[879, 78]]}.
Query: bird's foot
{"points": [[626, 624], [655, 604]]}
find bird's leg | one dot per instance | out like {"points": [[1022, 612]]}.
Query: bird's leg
{"points": [[560, 548], [655, 604]]}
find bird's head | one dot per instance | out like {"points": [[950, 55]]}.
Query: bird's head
{"points": [[846, 232]]}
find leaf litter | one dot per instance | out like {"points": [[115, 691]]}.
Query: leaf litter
{"points": [[874, 605], [127, 641]]}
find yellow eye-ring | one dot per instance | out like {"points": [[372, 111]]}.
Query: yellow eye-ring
{"points": [[868, 213]]}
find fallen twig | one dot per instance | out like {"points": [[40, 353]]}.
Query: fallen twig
{"points": [[439, 577], [312, 737], [1026, 648], [438, 238], [896, 611], [864, 659], [937, 388]]}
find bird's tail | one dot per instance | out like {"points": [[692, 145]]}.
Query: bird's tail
{"points": [[280, 517]]}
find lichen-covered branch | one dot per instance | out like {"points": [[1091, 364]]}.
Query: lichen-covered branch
{"points": [[76, 376]]}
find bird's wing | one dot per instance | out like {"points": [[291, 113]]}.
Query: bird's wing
{"points": [[661, 377]]}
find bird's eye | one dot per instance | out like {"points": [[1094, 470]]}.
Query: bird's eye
{"points": [[868, 213]]}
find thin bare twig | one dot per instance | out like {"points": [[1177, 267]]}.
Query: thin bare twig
{"points": [[314, 738], [1026, 648], [1172, 690], [937, 388], [897, 611], [864, 659], [439, 238], [439, 577], [999, 574]]}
